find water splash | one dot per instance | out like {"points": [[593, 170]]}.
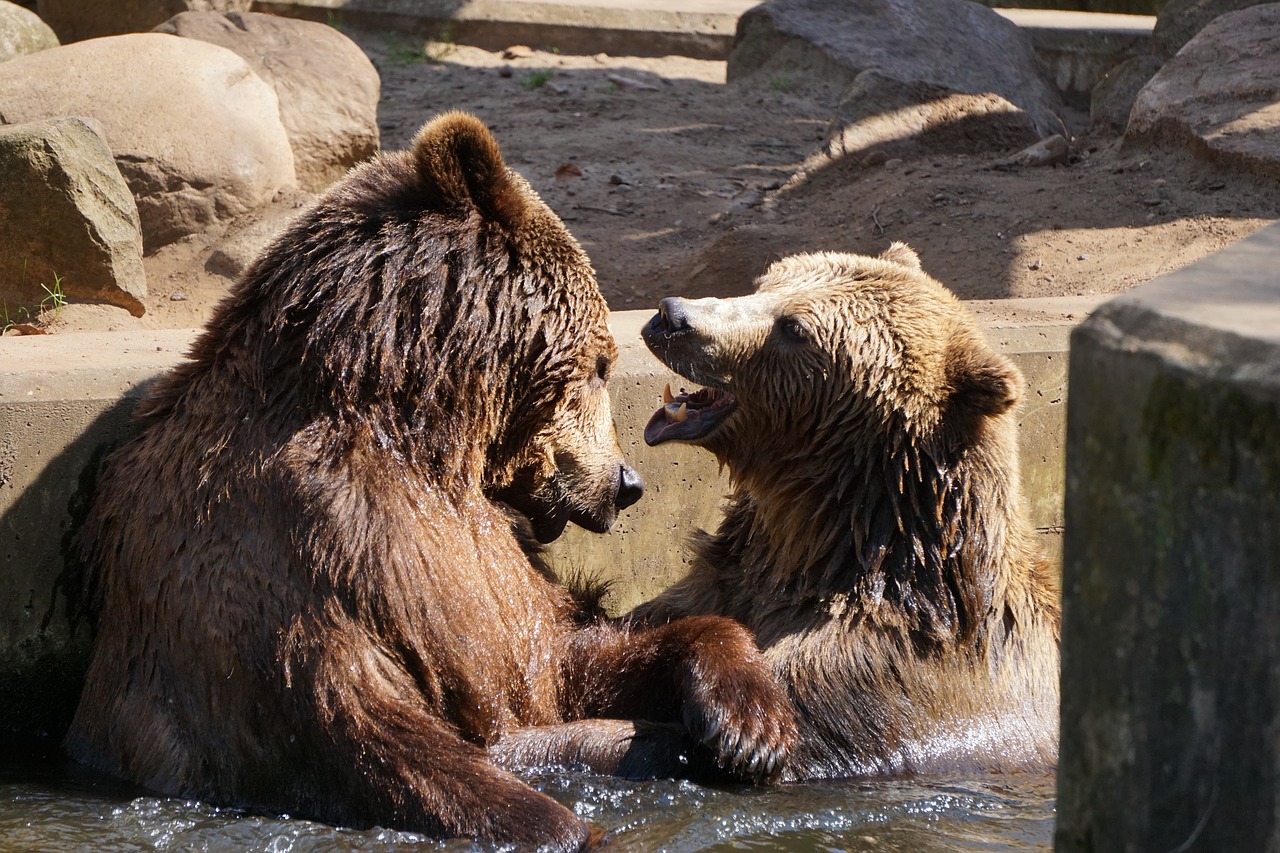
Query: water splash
{"points": [[54, 806]]}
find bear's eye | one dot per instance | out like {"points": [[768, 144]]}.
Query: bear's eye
{"points": [[793, 330]]}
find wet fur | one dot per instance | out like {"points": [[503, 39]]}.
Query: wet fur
{"points": [[311, 594], [876, 539]]}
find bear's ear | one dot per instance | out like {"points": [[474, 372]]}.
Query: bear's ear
{"points": [[460, 167], [982, 382], [902, 254]]}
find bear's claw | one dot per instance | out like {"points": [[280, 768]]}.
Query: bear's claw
{"points": [[746, 722]]}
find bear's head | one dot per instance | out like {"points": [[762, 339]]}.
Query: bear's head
{"points": [[833, 354], [432, 305]]}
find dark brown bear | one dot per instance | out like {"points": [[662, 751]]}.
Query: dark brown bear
{"points": [[876, 539], [312, 596]]}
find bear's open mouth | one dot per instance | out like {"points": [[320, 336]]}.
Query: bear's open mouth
{"points": [[688, 416]]}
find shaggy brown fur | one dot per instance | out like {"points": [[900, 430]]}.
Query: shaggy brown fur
{"points": [[875, 540], [311, 586]]}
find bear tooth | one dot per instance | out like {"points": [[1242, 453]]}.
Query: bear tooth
{"points": [[667, 396], [682, 413]]}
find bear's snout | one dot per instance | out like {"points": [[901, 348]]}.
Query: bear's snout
{"points": [[673, 315], [630, 487]]}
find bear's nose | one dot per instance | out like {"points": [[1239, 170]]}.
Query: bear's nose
{"points": [[630, 487], [674, 316]]}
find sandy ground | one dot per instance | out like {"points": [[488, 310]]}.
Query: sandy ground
{"points": [[674, 181]]}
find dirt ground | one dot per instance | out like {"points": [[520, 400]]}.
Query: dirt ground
{"points": [[673, 181]]}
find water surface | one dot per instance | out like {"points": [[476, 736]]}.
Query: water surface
{"points": [[51, 805]]}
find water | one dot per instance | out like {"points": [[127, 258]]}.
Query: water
{"points": [[51, 805]]}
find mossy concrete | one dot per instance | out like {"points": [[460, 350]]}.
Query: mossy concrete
{"points": [[1171, 641], [66, 400]]}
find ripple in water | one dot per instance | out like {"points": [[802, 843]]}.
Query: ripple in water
{"points": [[56, 806]]}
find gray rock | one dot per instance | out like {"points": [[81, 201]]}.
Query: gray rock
{"points": [[1050, 151], [74, 20], [1179, 21], [886, 117], [249, 235], [1112, 99], [328, 88], [22, 31], [1218, 97], [196, 134], [67, 220], [953, 44]]}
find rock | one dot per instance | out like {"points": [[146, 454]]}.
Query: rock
{"points": [[1050, 151], [952, 44], [1220, 96], [196, 134], [327, 87], [1112, 99], [22, 31], [74, 20], [880, 114], [250, 234], [1180, 20], [67, 220]]}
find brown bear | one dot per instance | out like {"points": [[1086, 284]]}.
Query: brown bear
{"points": [[311, 568], [875, 539]]}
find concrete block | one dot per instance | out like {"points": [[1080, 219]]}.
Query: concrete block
{"points": [[66, 400], [65, 403], [1171, 572], [1077, 49], [684, 488]]}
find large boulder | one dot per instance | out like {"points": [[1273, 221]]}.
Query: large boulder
{"points": [[953, 44], [1219, 97], [1112, 99], [883, 116], [22, 31], [68, 224], [1179, 21], [196, 134], [328, 88], [74, 20]]}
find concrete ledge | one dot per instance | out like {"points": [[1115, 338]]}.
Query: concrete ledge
{"points": [[702, 29], [66, 400], [1077, 48], [1171, 641]]}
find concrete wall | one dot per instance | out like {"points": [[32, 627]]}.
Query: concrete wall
{"points": [[65, 402], [1171, 636], [1077, 48]]}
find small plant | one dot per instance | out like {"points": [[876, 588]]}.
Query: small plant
{"points": [[54, 299], [781, 82], [537, 79], [445, 46], [51, 305], [335, 20], [19, 317], [432, 51], [406, 53]]}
